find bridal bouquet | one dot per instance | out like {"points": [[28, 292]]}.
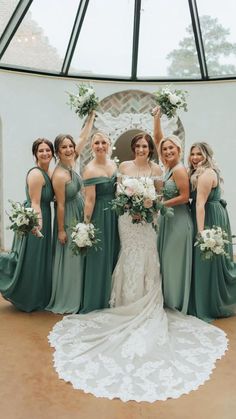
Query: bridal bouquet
{"points": [[83, 236], [138, 197], [84, 101], [23, 219], [212, 242], [170, 101]]}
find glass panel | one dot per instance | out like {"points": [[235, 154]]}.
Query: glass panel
{"points": [[166, 44], [41, 40], [7, 8], [105, 43], [218, 27]]}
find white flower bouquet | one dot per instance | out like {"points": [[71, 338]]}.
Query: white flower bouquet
{"points": [[83, 236], [138, 198], [84, 101], [23, 219], [212, 241], [171, 100]]}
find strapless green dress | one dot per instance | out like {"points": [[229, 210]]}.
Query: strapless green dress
{"points": [[213, 290], [175, 238], [26, 272], [99, 264]]}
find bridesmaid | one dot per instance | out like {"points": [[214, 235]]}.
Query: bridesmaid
{"points": [[175, 234], [67, 268], [100, 185], [25, 273], [213, 292]]}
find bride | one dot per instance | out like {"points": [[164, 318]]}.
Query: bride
{"points": [[136, 350]]}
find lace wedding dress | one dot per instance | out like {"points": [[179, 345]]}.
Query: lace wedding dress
{"points": [[136, 350]]}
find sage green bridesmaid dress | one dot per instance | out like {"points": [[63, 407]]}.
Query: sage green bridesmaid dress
{"points": [[213, 290], [67, 274], [26, 272], [175, 237], [99, 264]]}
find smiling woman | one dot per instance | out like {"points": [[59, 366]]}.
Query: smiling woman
{"points": [[175, 234], [67, 268], [25, 272], [100, 185]]}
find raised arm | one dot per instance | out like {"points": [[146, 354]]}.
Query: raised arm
{"points": [[85, 132], [157, 131]]}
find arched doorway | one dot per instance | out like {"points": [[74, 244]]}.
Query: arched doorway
{"points": [[121, 151], [124, 113]]}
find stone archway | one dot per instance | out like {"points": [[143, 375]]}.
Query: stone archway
{"points": [[129, 110]]}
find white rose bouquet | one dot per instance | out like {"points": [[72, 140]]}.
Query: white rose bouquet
{"points": [[83, 236], [170, 101], [138, 197], [212, 242], [23, 219], [84, 101]]}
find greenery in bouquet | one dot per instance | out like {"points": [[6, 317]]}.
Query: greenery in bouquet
{"points": [[139, 199], [84, 101], [23, 219], [84, 236], [171, 100], [212, 242]]}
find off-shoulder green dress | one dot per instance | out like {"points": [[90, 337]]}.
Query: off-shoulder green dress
{"points": [[26, 272], [67, 274], [99, 264], [213, 290], [175, 238]]}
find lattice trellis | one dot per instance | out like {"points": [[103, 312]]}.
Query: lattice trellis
{"points": [[128, 110]]}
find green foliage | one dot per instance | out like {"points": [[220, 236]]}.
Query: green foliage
{"points": [[84, 101], [184, 60]]}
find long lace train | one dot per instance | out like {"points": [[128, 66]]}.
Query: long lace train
{"points": [[136, 350]]}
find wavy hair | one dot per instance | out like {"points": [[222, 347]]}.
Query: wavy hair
{"points": [[207, 163]]}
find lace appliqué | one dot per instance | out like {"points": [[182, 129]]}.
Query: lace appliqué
{"points": [[136, 350]]}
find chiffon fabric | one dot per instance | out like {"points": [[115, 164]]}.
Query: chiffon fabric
{"points": [[26, 272], [175, 240], [67, 278], [213, 291], [135, 350], [100, 263]]}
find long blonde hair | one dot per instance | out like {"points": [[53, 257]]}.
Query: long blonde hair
{"points": [[208, 163]]}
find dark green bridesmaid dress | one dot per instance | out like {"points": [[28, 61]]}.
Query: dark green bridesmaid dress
{"points": [[26, 272], [99, 264], [175, 239], [67, 274], [213, 290]]}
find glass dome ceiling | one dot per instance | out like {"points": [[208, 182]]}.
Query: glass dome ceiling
{"points": [[134, 40]]}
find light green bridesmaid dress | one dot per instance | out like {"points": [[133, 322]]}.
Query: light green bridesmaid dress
{"points": [[26, 272], [175, 239], [67, 274], [100, 264]]}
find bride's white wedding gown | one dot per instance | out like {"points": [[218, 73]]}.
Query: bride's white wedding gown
{"points": [[136, 350]]}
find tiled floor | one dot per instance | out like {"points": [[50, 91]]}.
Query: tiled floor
{"points": [[30, 388]]}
